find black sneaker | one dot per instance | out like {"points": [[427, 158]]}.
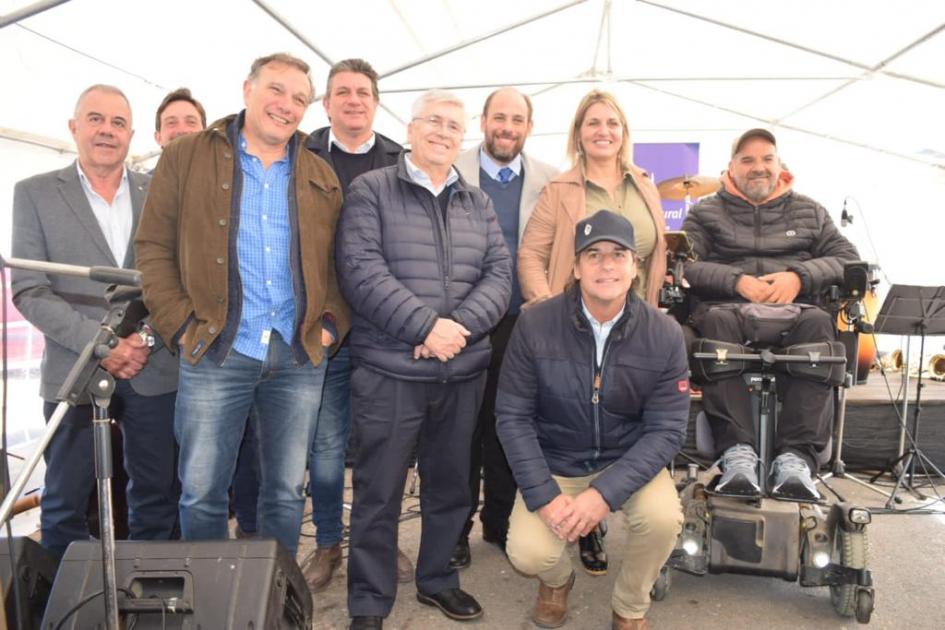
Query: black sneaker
{"points": [[593, 556]]}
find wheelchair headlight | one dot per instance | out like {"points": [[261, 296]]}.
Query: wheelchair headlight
{"points": [[821, 559], [860, 516], [691, 546]]}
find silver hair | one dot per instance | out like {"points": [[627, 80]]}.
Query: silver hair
{"points": [[435, 96], [99, 87]]}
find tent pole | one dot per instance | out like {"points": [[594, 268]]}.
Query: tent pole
{"points": [[29, 11], [475, 40], [813, 51]]}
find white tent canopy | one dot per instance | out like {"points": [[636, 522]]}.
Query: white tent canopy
{"points": [[853, 89]]}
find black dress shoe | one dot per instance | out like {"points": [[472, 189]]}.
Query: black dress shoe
{"points": [[593, 556], [366, 623], [461, 557], [455, 603]]}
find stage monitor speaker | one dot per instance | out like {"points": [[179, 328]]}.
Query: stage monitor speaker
{"points": [[207, 585], [35, 569]]}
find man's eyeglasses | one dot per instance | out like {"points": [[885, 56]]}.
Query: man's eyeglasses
{"points": [[438, 122]]}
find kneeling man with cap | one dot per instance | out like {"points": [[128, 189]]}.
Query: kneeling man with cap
{"points": [[592, 405]]}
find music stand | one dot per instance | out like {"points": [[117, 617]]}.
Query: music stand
{"points": [[912, 310]]}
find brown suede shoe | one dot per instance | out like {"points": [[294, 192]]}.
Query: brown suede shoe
{"points": [[551, 607], [622, 623], [320, 565], [405, 570]]}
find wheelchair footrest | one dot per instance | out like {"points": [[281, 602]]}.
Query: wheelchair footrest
{"points": [[835, 575], [693, 565]]}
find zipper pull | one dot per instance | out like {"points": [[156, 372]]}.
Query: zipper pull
{"points": [[595, 398]]}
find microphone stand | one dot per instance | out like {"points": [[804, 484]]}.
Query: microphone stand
{"points": [[87, 377]]}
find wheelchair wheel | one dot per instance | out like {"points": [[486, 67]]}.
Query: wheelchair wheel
{"points": [[850, 550], [662, 584], [864, 606]]}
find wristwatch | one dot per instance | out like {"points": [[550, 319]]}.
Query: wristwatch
{"points": [[147, 335]]}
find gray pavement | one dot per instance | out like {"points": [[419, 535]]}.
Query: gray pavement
{"points": [[907, 558]]}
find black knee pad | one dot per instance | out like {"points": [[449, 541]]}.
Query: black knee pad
{"points": [[828, 373], [718, 367]]}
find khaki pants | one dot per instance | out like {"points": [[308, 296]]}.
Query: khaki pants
{"points": [[654, 519]]}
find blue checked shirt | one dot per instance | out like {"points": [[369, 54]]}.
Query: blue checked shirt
{"points": [[263, 246]]}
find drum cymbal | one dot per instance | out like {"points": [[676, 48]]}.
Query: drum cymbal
{"points": [[678, 188]]}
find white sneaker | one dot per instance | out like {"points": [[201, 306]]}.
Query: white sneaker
{"points": [[792, 478], [739, 471]]}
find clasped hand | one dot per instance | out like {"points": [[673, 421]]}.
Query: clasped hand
{"points": [[773, 288], [572, 517], [127, 358], [444, 342]]}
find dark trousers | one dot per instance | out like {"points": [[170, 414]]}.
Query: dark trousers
{"points": [[806, 415], [392, 418], [487, 462], [150, 458]]}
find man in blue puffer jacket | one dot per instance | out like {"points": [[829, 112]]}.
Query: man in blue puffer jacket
{"points": [[593, 403], [423, 264]]}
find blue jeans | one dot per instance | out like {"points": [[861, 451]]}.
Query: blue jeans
{"points": [[213, 403], [326, 457], [245, 486]]}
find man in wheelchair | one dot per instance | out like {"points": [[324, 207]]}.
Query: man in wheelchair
{"points": [[763, 258]]}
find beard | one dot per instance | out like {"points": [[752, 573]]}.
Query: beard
{"points": [[503, 155], [757, 189]]}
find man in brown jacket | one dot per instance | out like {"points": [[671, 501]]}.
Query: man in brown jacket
{"points": [[235, 245]]}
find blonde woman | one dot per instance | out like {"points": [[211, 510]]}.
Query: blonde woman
{"points": [[602, 177]]}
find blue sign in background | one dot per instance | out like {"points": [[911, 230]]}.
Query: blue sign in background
{"points": [[666, 160]]}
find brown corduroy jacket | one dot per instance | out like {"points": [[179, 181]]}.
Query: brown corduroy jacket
{"points": [[183, 242], [546, 255]]}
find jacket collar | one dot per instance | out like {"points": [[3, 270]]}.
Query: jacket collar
{"points": [[233, 124], [228, 128], [317, 142], [459, 186], [783, 187], [575, 175], [579, 319]]}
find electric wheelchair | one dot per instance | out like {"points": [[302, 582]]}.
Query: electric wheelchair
{"points": [[814, 542]]}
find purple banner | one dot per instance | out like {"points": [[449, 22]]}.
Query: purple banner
{"points": [[666, 160]]}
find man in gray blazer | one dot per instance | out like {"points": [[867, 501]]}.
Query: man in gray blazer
{"points": [[513, 181], [86, 214]]}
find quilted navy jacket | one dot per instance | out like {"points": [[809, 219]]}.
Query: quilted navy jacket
{"points": [[552, 419], [401, 266]]}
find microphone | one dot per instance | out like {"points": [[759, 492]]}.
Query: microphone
{"points": [[845, 217]]}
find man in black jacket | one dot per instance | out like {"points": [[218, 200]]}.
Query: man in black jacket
{"points": [[593, 403], [351, 147], [758, 241], [426, 271]]}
